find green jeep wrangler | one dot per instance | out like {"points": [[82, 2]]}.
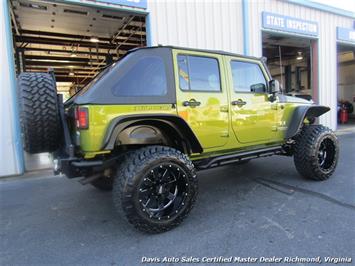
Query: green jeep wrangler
{"points": [[146, 124]]}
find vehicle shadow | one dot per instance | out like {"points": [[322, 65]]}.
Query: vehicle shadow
{"points": [[228, 187], [226, 194]]}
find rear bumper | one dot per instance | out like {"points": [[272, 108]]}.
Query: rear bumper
{"points": [[67, 166], [77, 167]]}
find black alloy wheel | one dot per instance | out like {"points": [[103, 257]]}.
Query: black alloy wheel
{"points": [[155, 188], [316, 152], [326, 154], [163, 191]]}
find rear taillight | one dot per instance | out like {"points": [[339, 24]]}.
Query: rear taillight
{"points": [[82, 117]]}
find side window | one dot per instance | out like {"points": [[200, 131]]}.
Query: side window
{"points": [[198, 73], [183, 73], [248, 77], [146, 77]]}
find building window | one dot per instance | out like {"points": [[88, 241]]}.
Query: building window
{"points": [[197, 73], [146, 77], [247, 77]]}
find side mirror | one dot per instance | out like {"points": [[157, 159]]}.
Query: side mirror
{"points": [[258, 88], [274, 86]]}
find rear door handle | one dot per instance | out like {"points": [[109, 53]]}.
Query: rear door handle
{"points": [[191, 103], [239, 102]]}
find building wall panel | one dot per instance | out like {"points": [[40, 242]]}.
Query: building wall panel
{"points": [[10, 143], [197, 24]]}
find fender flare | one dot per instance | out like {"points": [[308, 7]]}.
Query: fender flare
{"points": [[179, 125], [302, 112]]}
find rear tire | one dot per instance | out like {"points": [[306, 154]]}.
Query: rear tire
{"points": [[39, 116], [316, 152], [155, 188]]}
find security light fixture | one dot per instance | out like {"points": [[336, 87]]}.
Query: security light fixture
{"points": [[299, 56], [94, 39]]}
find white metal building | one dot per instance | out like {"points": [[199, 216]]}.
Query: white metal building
{"points": [[323, 36]]}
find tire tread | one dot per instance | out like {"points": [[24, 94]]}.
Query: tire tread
{"points": [[39, 116], [124, 186], [305, 158]]}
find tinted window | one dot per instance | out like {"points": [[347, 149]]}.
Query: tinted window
{"points": [[146, 77], [247, 77], [183, 73], [197, 73]]}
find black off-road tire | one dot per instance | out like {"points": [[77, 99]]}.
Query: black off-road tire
{"points": [[131, 175], [103, 183], [316, 152], [39, 116]]}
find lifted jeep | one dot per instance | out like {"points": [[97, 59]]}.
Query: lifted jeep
{"points": [[145, 124]]}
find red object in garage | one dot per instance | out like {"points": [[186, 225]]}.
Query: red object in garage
{"points": [[344, 115]]}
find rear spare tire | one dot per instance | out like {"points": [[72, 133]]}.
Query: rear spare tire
{"points": [[39, 116]]}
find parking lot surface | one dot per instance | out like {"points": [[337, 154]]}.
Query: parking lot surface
{"points": [[263, 208]]}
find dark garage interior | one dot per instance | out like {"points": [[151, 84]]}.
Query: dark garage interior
{"points": [[76, 41], [290, 61], [346, 85]]}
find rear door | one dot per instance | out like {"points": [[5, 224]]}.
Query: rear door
{"points": [[252, 113], [202, 96]]}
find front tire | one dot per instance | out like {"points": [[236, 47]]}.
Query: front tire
{"points": [[155, 188], [316, 152]]}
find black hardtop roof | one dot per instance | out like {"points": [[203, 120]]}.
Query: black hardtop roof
{"points": [[197, 50]]}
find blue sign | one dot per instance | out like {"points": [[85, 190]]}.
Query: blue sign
{"points": [[344, 34], [129, 3], [289, 24]]}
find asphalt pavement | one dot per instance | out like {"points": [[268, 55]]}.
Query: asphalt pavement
{"points": [[261, 209]]}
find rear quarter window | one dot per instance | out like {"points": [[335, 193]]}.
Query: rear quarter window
{"points": [[143, 76], [146, 77]]}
